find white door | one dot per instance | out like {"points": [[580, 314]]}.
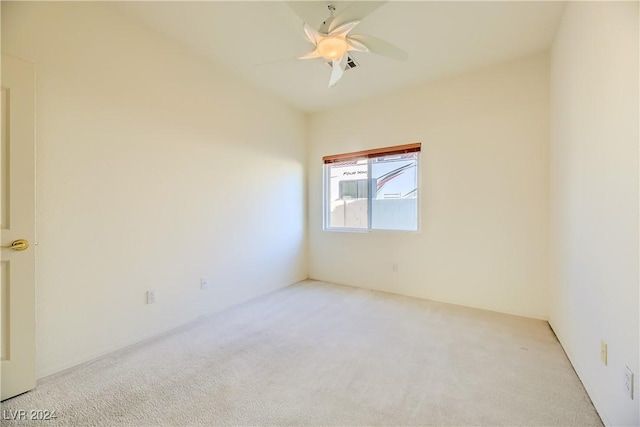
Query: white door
{"points": [[17, 228]]}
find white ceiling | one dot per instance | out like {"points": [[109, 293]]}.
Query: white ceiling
{"points": [[441, 38]]}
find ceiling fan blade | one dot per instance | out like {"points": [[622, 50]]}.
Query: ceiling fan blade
{"points": [[343, 29], [275, 61], [285, 16], [310, 12], [380, 47], [356, 45], [356, 11], [311, 55], [312, 35], [337, 69]]}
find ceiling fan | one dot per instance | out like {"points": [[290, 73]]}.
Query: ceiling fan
{"points": [[333, 42]]}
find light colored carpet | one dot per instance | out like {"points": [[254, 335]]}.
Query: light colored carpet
{"points": [[321, 354]]}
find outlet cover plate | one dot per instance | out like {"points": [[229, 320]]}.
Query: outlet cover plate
{"points": [[628, 382], [151, 297]]}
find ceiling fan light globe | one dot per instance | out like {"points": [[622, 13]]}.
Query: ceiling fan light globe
{"points": [[332, 47]]}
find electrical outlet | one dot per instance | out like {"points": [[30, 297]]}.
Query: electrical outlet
{"points": [[204, 283], [151, 297], [603, 352], [394, 267], [628, 382]]}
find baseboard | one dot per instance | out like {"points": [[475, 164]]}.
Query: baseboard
{"points": [[536, 316], [141, 340], [587, 386], [81, 361]]}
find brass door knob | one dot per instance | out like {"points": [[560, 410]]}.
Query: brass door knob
{"points": [[18, 245]]}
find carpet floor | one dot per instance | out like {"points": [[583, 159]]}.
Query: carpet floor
{"points": [[321, 354]]}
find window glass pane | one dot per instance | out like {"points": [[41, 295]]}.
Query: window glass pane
{"points": [[347, 204], [394, 204], [353, 189]]}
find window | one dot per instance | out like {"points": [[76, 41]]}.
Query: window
{"points": [[353, 189], [372, 190]]}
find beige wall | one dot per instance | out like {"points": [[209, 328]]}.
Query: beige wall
{"points": [[153, 169], [484, 188], [594, 198]]}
